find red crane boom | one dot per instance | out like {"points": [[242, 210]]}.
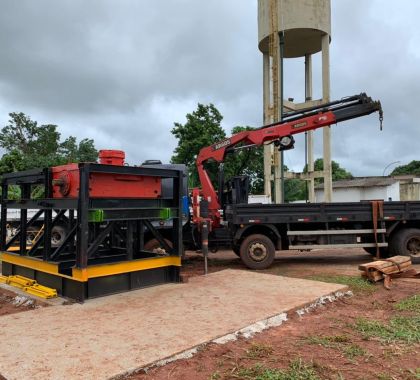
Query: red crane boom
{"points": [[279, 133]]}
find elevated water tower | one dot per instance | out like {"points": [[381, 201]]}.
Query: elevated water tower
{"points": [[292, 29]]}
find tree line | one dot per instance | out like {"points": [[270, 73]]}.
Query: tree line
{"points": [[28, 145]]}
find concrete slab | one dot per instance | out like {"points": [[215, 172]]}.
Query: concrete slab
{"points": [[114, 335]]}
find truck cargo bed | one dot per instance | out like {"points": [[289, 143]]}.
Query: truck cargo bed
{"points": [[319, 212]]}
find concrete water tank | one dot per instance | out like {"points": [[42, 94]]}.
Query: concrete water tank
{"points": [[304, 23]]}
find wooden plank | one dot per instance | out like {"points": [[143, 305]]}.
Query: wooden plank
{"points": [[374, 276], [387, 263]]}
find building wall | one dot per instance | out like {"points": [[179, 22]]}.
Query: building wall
{"points": [[351, 194], [391, 192], [410, 191], [256, 198], [356, 194]]}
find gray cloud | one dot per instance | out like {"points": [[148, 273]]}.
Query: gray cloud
{"points": [[123, 72]]}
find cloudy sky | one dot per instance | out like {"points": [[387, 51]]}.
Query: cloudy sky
{"points": [[122, 72]]}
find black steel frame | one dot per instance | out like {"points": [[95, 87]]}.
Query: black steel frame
{"points": [[118, 236]]}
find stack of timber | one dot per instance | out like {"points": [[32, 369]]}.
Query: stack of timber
{"points": [[397, 266]]}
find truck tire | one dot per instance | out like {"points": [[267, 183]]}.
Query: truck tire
{"points": [[58, 234], [406, 242], [31, 234], [236, 248], [257, 251], [153, 245]]}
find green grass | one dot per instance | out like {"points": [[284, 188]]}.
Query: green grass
{"points": [[401, 328], [356, 284], [338, 342], [353, 350], [414, 374], [409, 304], [215, 376], [327, 341], [259, 350], [384, 376], [405, 374], [297, 370]]}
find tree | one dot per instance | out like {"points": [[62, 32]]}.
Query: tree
{"points": [[29, 145], [249, 162], [294, 189], [338, 173], [85, 151], [201, 129], [411, 168]]}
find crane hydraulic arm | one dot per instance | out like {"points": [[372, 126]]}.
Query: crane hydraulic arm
{"points": [[281, 134]]}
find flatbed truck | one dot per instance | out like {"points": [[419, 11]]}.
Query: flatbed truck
{"points": [[256, 231]]}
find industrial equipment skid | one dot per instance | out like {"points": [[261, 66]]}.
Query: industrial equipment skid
{"points": [[103, 249]]}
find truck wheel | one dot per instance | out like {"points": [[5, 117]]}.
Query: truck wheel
{"points": [[31, 234], [257, 251], [406, 242], [58, 234], [154, 246]]}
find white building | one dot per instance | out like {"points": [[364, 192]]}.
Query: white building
{"points": [[259, 198], [373, 188]]}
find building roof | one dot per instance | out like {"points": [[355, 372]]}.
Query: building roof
{"points": [[362, 182]]}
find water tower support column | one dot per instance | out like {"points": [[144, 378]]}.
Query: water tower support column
{"points": [[310, 134], [267, 120], [278, 116], [326, 130]]}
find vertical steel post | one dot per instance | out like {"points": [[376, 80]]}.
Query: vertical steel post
{"points": [[177, 220], [140, 235], [71, 225], [130, 239], [4, 195], [205, 243], [25, 195], [204, 224], [83, 218], [46, 252]]}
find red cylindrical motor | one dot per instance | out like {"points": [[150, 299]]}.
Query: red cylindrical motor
{"points": [[66, 180], [111, 157]]}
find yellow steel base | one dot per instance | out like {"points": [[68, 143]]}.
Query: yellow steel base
{"points": [[20, 282], [29, 286], [93, 281], [41, 291], [93, 271]]}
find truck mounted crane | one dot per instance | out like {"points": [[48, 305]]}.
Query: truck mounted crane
{"points": [[281, 134]]}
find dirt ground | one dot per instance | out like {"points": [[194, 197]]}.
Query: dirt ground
{"points": [[11, 303], [352, 338]]}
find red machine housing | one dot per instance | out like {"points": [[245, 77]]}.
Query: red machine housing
{"points": [[111, 157], [65, 181]]}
